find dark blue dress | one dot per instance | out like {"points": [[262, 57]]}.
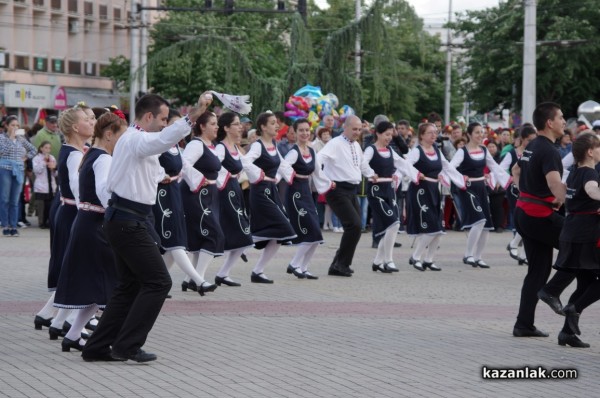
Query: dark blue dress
{"points": [[63, 219], [202, 208], [169, 219], [268, 219], [300, 203], [234, 220], [423, 201], [475, 202], [89, 271], [381, 195]]}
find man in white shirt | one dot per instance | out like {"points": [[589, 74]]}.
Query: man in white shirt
{"points": [[341, 160], [144, 281]]}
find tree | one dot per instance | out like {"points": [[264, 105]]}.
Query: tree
{"points": [[566, 74], [119, 71]]}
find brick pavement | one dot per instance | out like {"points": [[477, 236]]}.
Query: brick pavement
{"points": [[407, 334]]}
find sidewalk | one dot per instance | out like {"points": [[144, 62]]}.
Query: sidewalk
{"points": [[408, 334]]}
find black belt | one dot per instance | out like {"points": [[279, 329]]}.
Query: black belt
{"points": [[117, 206], [346, 185]]}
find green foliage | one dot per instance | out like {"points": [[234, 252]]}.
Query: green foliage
{"points": [[119, 71], [568, 75]]}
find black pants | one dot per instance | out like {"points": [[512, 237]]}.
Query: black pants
{"points": [[586, 294], [540, 237], [344, 203], [496, 208], [143, 285]]}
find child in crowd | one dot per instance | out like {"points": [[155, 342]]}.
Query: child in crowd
{"points": [[44, 168]]}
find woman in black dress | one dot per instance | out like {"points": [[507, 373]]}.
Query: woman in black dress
{"points": [[423, 198], [169, 219], [579, 240], [78, 128], [474, 209], [381, 194], [88, 273], [204, 234], [234, 219], [300, 204], [526, 133], [269, 222]]}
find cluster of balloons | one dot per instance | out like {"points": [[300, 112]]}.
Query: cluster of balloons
{"points": [[309, 102]]}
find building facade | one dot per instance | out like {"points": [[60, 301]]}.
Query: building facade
{"points": [[52, 53]]}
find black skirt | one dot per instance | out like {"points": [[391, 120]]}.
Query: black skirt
{"points": [[423, 208], [202, 222], [234, 220], [63, 221], [268, 219], [169, 218], [89, 272], [474, 204], [303, 213], [382, 201]]}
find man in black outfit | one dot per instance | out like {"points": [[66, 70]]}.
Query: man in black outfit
{"points": [[538, 176], [341, 160], [144, 280]]}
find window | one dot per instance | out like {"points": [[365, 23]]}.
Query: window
{"points": [[88, 9], [4, 59], [40, 64], [74, 67], [73, 6], [22, 62], [55, 4], [90, 69], [39, 3], [103, 12], [58, 65], [117, 14]]}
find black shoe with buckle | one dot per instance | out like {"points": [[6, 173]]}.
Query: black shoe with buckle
{"points": [[139, 356], [528, 332], [38, 322], [226, 281], [572, 318], [552, 301], [337, 271], [259, 278], [431, 266], [571, 340]]}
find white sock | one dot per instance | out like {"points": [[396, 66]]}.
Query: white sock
{"points": [[193, 260], [421, 245], [473, 238], [481, 244], [515, 240], [298, 260], [327, 221], [389, 241], [82, 316], [231, 258], [168, 259], [48, 310], [433, 246], [204, 260], [308, 256], [183, 262], [268, 253], [60, 318]]}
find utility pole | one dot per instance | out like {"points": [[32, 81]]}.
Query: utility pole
{"points": [[135, 61], [144, 48], [357, 44], [529, 61], [448, 90]]}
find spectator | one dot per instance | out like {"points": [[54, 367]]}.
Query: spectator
{"points": [[564, 144], [50, 133]]}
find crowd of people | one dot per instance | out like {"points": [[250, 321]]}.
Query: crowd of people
{"points": [[125, 203]]}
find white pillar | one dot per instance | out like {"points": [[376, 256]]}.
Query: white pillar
{"points": [[357, 44], [135, 60], [529, 61], [144, 48], [448, 90]]}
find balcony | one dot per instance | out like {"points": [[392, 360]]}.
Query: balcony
{"points": [[104, 14], [88, 11], [39, 7], [20, 4]]}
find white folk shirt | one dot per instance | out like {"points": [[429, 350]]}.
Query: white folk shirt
{"points": [[342, 160], [135, 171]]}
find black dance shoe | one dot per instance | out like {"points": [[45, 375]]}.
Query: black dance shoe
{"points": [[513, 252], [381, 268], [571, 340], [226, 281], [470, 260], [308, 275], [396, 244], [552, 301], [89, 326], [336, 271], [481, 264], [38, 322], [295, 271], [55, 333], [66, 327], [243, 257], [206, 287], [418, 265], [67, 344], [139, 356], [431, 266], [526, 332], [260, 278], [391, 267], [523, 261], [572, 318], [184, 286]]}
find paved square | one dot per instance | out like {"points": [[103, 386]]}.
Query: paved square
{"points": [[408, 334]]}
